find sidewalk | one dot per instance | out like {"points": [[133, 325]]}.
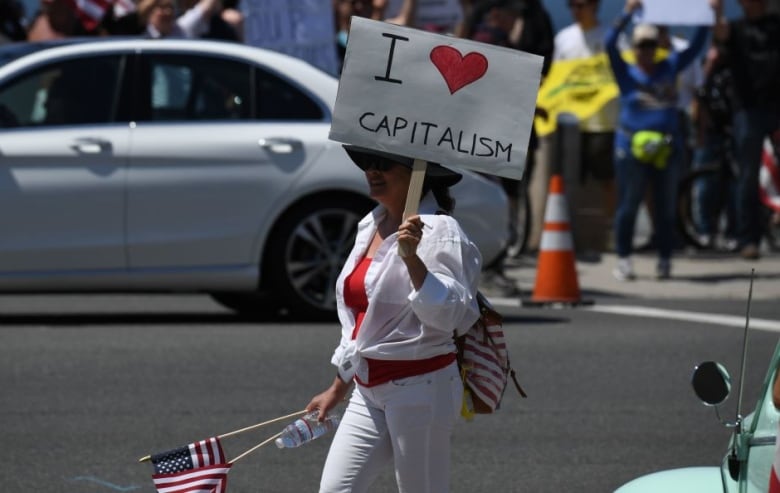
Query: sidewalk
{"points": [[694, 275]]}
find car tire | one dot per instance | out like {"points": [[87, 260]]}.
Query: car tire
{"points": [[306, 252]]}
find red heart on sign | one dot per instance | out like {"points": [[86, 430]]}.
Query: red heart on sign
{"points": [[458, 70]]}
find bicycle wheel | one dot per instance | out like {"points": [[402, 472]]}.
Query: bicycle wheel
{"points": [[702, 217]]}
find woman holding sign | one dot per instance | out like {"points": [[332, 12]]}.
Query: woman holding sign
{"points": [[397, 315], [648, 141]]}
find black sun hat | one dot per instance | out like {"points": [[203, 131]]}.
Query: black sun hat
{"points": [[362, 156]]}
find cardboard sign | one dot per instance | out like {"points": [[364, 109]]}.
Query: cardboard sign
{"points": [[677, 13], [437, 98], [299, 28]]}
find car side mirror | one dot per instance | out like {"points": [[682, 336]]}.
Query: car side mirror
{"points": [[711, 382]]}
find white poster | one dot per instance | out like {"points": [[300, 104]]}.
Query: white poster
{"points": [[301, 28], [438, 98], [677, 12]]}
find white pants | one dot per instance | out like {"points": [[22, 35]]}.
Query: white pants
{"points": [[408, 421]]}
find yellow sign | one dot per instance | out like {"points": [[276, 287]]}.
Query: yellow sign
{"points": [[582, 86]]}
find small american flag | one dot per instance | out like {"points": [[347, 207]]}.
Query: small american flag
{"points": [[195, 468], [90, 12]]}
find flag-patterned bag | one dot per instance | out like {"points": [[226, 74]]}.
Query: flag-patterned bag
{"points": [[483, 360]]}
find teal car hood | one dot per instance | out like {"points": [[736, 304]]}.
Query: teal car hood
{"points": [[685, 480]]}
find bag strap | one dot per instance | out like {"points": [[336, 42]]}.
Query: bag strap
{"points": [[517, 385]]}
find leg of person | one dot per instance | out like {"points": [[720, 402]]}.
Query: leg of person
{"points": [[598, 152], [512, 190], [748, 143], [705, 190], [664, 194], [631, 177], [360, 448], [421, 413]]}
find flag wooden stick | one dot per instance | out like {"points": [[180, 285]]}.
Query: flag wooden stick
{"points": [[414, 193], [258, 425], [264, 442], [242, 430]]}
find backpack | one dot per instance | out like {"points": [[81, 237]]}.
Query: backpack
{"points": [[483, 360]]}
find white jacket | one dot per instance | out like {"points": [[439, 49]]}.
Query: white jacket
{"points": [[401, 323]]}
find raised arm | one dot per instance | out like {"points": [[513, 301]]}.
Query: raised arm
{"points": [[689, 54], [721, 28], [619, 66]]}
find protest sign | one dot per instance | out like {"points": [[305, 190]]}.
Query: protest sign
{"points": [[676, 13], [583, 86], [300, 28], [436, 98]]}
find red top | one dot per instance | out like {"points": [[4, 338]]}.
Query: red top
{"points": [[383, 371], [355, 293]]}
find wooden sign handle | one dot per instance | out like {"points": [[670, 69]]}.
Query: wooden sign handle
{"points": [[414, 194]]}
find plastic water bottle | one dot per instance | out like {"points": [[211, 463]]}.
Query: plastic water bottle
{"points": [[306, 429]]}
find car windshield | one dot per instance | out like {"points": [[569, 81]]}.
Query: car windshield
{"points": [[762, 426]]}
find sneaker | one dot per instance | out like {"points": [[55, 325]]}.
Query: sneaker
{"points": [[706, 241], [749, 252], [624, 270], [664, 269]]}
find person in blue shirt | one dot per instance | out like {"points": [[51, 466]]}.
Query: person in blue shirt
{"points": [[648, 141]]}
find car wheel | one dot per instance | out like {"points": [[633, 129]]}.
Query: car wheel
{"points": [[306, 252]]}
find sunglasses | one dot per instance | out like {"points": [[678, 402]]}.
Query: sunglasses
{"points": [[375, 163], [647, 45]]}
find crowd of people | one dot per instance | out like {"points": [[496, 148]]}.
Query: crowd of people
{"points": [[695, 102], [55, 19]]}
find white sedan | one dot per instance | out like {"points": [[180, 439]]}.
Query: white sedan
{"points": [[189, 166]]}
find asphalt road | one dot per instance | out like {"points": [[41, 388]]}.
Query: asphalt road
{"points": [[92, 383]]}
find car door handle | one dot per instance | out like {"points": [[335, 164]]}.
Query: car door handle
{"points": [[281, 145], [91, 145]]}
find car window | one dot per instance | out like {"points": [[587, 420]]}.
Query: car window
{"points": [[278, 99], [190, 87], [70, 92]]}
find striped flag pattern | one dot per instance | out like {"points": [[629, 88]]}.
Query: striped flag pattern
{"points": [[769, 177], [195, 468], [123, 8], [486, 363], [90, 12]]}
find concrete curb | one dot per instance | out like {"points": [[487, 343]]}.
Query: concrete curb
{"points": [[695, 275]]}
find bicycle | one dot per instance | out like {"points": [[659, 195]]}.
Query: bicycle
{"points": [[721, 215]]}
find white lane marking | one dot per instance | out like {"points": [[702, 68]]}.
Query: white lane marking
{"points": [[707, 318], [505, 302]]}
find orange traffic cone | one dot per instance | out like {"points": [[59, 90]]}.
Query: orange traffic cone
{"points": [[556, 273]]}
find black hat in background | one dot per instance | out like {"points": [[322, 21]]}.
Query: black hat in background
{"points": [[434, 171]]}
